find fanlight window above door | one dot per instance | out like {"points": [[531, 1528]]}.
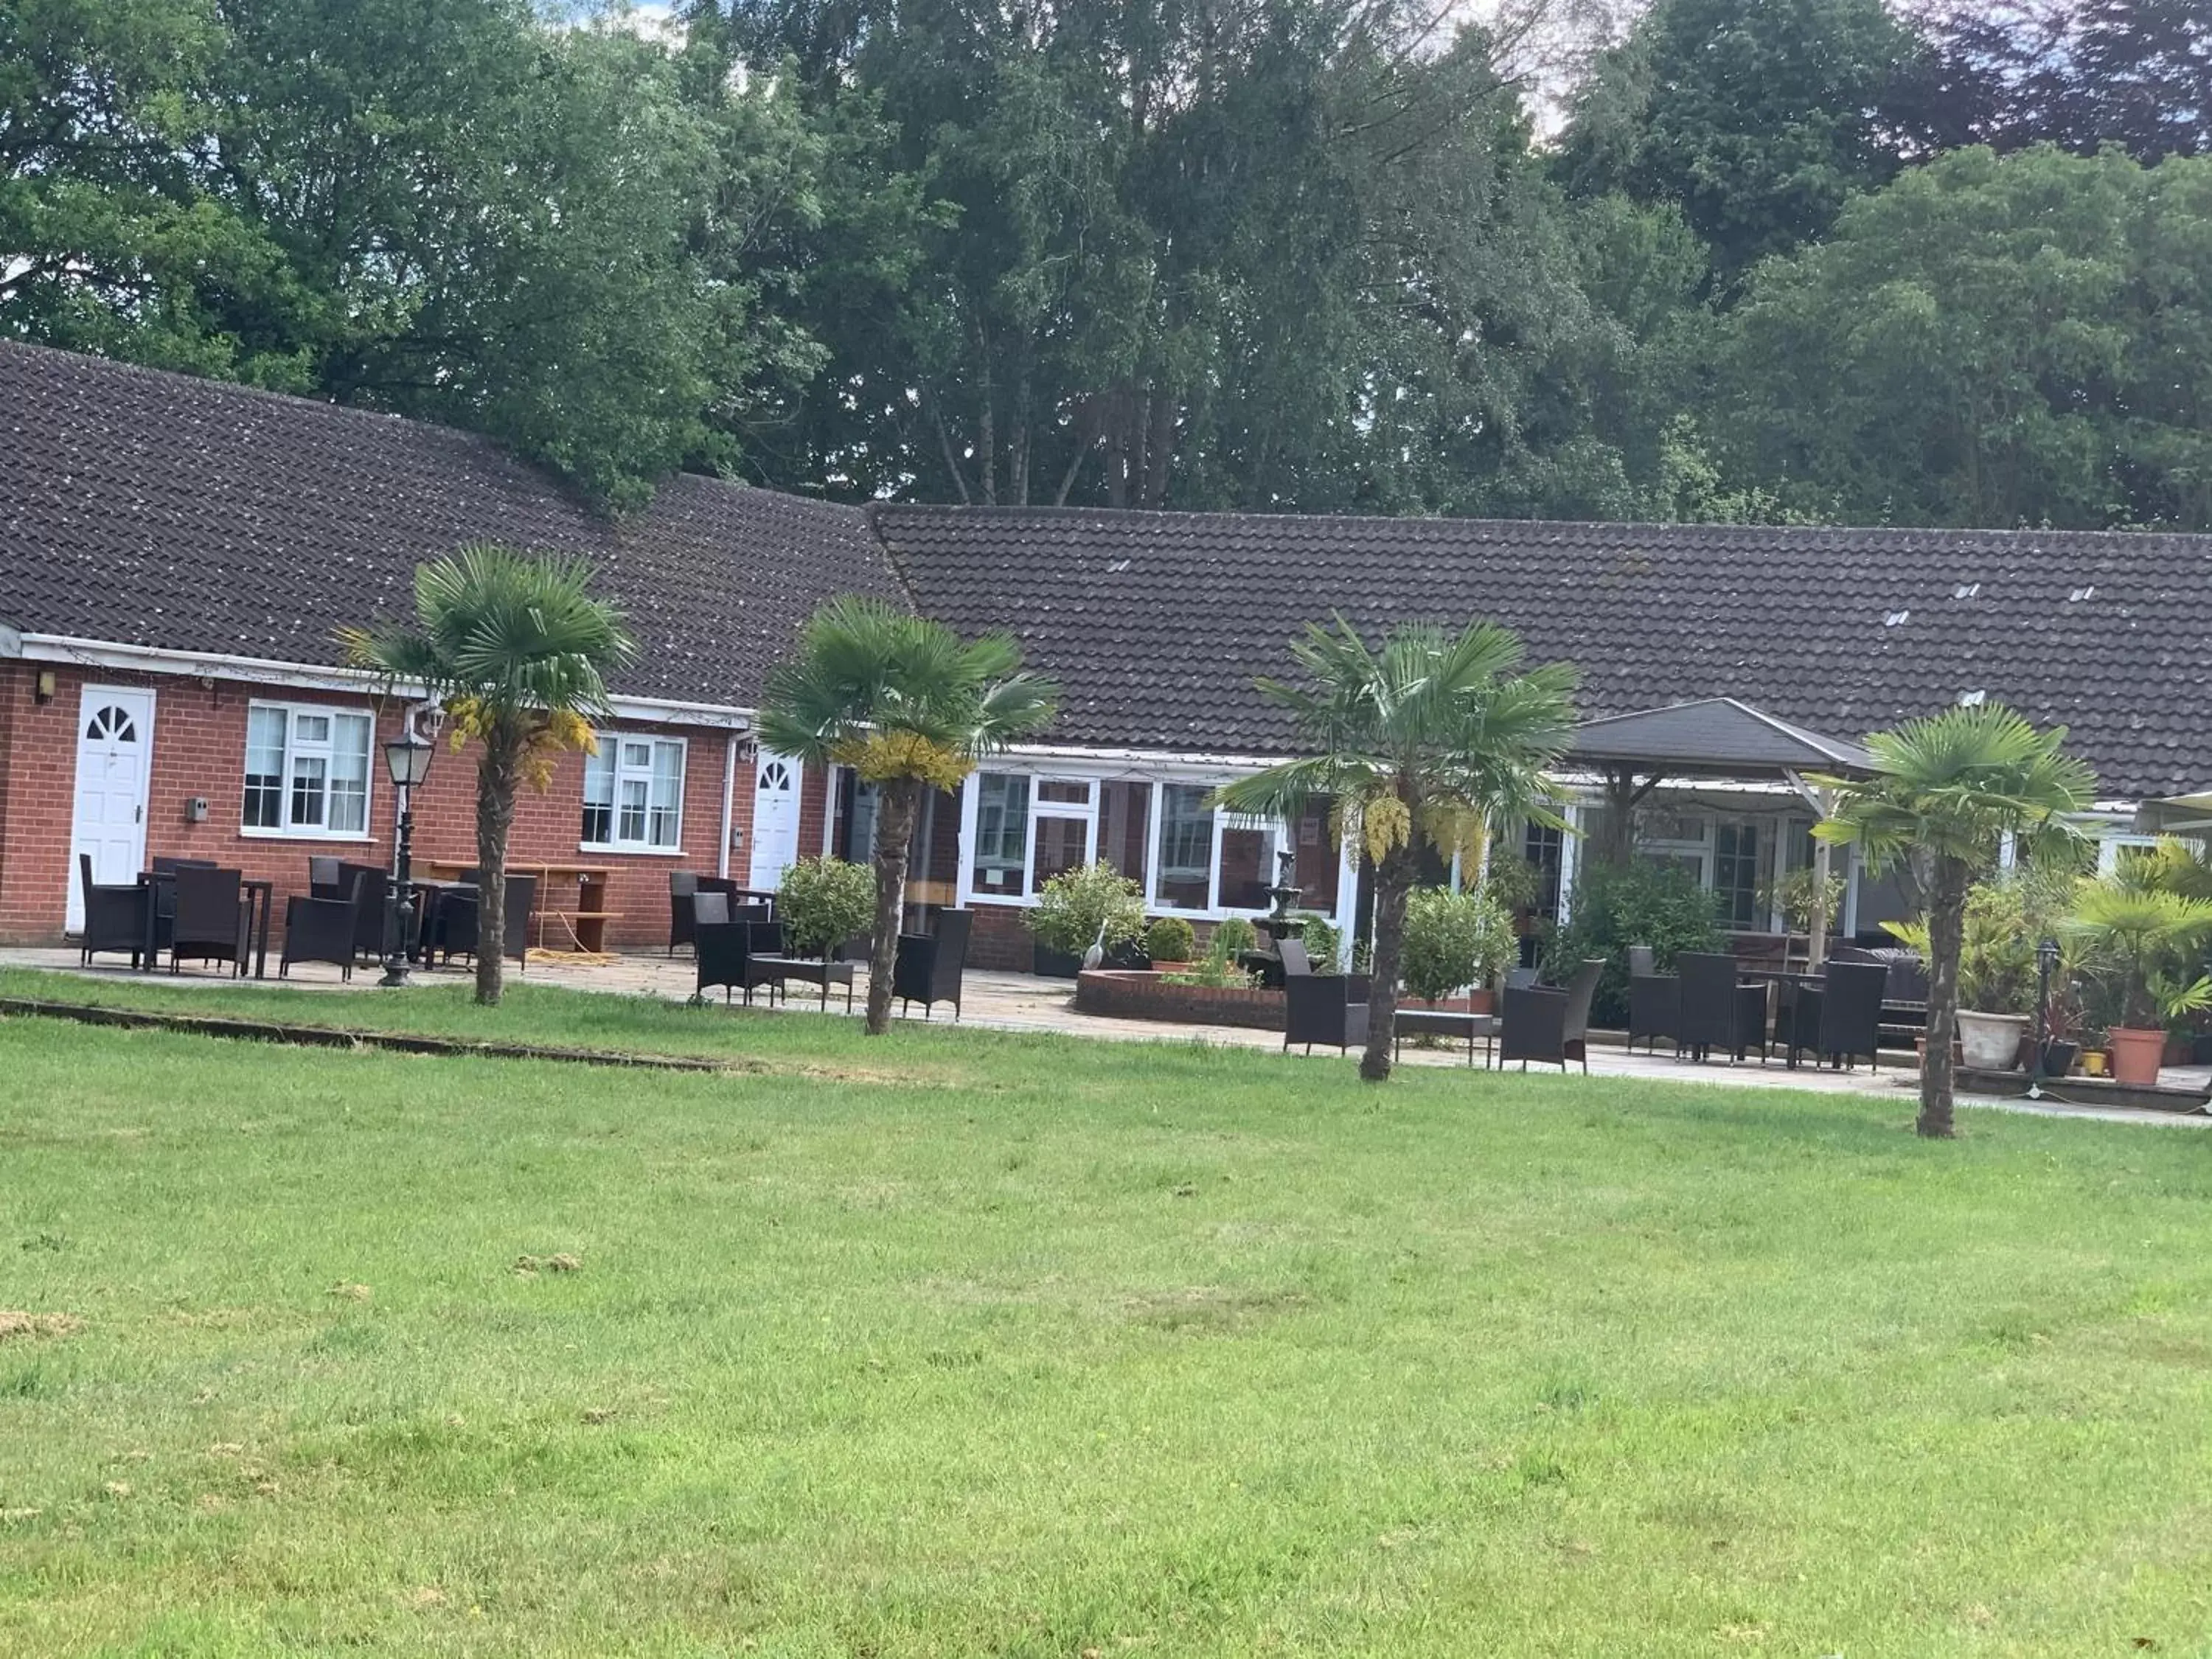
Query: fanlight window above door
{"points": [[110, 724]]}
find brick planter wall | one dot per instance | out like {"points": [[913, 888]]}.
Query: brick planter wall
{"points": [[1119, 994]]}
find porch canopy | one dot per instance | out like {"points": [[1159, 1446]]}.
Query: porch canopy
{"points": [[2177, 815], [1715, 738]]}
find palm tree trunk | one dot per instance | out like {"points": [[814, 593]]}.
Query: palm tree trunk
{"points": [[499, 775], [1393, 881], [897, 800], [1946, 930]]}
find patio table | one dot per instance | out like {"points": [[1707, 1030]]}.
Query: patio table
{"points": [[1442, 1022], [260, 896], [772, 971]]}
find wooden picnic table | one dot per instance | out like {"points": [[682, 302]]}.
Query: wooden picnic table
{"points": [[571, 897]]}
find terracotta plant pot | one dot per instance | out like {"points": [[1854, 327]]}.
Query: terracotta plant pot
{"points": [[2136, 1055], [1991, 1043]]}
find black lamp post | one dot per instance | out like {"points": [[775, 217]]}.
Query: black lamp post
{"points": [[2046, 961], [407, 759]]}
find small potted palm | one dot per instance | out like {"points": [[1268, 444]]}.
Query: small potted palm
{"points": [[2146, 941]]}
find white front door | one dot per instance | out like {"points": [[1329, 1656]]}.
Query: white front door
{"points": [[114, 739], [776, 779]]}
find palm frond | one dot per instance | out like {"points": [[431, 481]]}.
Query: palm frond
{"points": [[866, 669]]}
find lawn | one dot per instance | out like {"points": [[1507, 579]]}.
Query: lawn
{"points": [[963, 1343]]}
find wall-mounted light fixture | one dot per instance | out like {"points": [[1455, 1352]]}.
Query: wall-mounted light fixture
{"points": [[42, 687]]}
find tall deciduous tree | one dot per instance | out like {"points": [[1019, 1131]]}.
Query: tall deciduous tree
{"points": [[1947, 790], [2077, 73], [909, 707], [1294, 254], [517, 649], [1760, 119], [1990, 341], [1435, 736]]}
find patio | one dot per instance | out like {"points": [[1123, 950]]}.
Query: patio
{"points": [[1026, 1003]]}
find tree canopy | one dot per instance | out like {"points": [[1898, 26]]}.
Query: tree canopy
{"points": [[1298, 255]]}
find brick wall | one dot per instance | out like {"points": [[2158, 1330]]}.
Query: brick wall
{"points": [[199, 750]]}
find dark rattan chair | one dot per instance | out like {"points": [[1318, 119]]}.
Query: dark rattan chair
{"points": [[373, 893], [1654, 1000], [212, 920], [320, 929], [1841, 1018], [681, 884], [1719, 1011], [114, 916], [1550, 1023], [460, 916], [1320, 1008], [722, 950], [929, 966]]}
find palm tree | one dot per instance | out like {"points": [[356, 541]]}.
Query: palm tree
{"points": [[517, 649], [1438, 735], [1947, 790], [909, 706]]}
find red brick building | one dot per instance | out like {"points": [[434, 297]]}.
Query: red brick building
{"points": [[176, 559], [176, 555]]}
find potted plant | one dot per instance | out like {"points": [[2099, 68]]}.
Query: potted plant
{"points": [[1171, 942], [823, 902], [1455, 939], [1093, 904], [1804, 893], [1998, 974], [2143, 940]]}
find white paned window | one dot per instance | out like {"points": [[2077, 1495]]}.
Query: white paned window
{"points": [[306, 771], [633, 793], [1002, 834]]}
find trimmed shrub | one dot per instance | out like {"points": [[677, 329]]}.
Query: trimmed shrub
{"points": [[1075, 905], [825, 901], [1614, 908], [1234, 935], [1171, 939], [1454, 940]]}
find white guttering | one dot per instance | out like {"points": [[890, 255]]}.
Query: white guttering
{"points": [[150, 660], [1157, 760]]}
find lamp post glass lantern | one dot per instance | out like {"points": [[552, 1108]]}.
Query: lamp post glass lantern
{"points": [[407, 760]]}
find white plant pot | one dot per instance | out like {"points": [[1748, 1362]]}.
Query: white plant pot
{"points": [[1991, 1042]]}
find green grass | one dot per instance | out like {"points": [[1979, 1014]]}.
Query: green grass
{"points": [[964, 1343]]}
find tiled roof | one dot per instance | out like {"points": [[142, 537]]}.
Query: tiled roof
{"points": [[1155, 624], [146, 508]]}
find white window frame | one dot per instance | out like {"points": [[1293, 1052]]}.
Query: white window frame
{"points": [[1157, 783], [295, 748], [611, 754]]}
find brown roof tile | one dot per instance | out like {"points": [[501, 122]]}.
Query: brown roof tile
{"points": [[146, 508], [1155, 624]]}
